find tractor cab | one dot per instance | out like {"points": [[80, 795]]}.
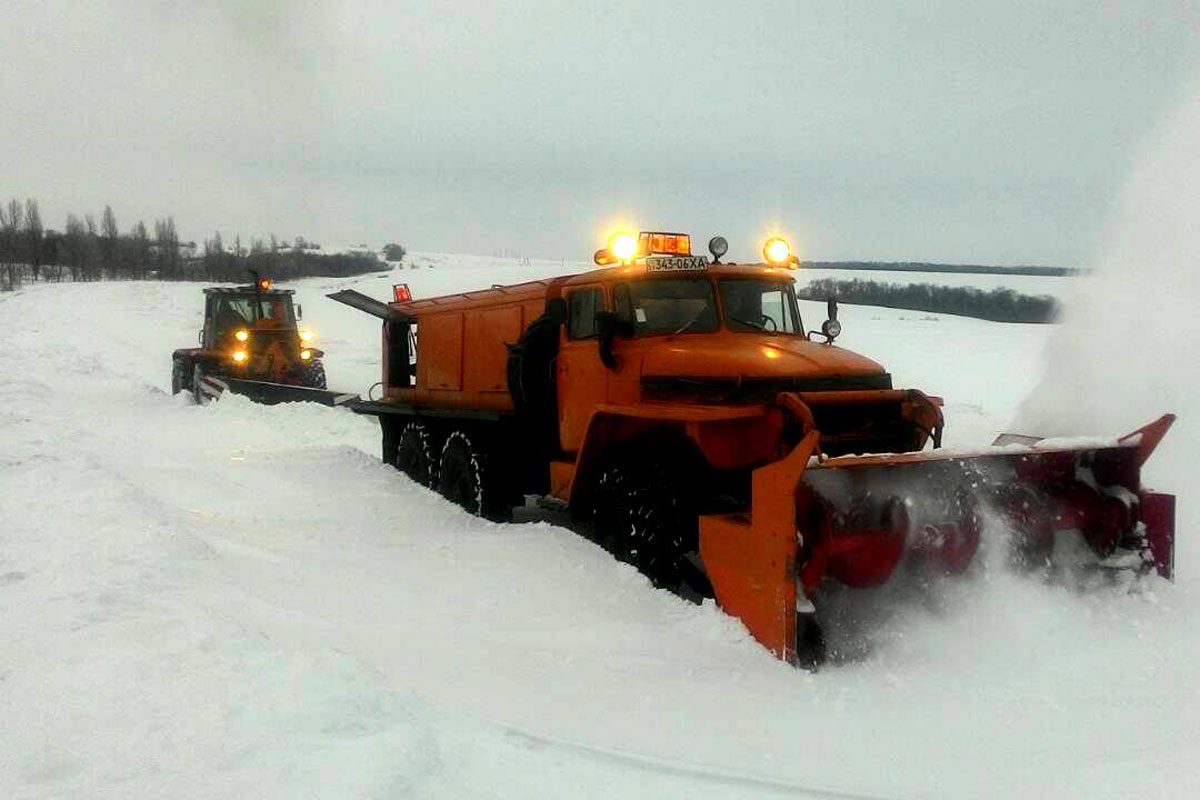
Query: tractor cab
{"points": [[251, 333], [230, 311]]}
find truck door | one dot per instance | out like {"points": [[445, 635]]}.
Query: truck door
{"points": [[582, 377]]}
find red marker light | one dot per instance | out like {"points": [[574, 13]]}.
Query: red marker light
{"points": [[264, 283], [401, 293], [675, 244]]}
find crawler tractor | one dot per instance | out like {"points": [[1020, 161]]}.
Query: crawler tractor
{"points": [[251, 344], [680, 406]]}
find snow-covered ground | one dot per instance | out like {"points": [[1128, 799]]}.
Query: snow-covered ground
{"points": [[241, 601]]}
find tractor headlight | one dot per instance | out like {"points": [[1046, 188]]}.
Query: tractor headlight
{"points": [[777, 251], [832, 328], [239, 356], [305, 355], [306, 335], [242, 334]]}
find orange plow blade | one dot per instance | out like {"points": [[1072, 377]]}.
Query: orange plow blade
{"points": [[855, 519]]}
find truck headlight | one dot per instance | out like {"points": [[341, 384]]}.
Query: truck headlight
{"points": [[239, 356], [242, 335], [306, 336], [305, 355]]}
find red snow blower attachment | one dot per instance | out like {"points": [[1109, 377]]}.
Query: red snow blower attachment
{"points": [[1068, 504]]}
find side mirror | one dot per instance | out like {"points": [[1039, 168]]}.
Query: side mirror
{"points": [[200, 337], [299, 312], [610, 325]]}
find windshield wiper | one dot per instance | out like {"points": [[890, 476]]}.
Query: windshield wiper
{"points": [[756, 326], [691, 321]]}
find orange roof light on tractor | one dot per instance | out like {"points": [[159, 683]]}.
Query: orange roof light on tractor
{"points": [[682, 405]]}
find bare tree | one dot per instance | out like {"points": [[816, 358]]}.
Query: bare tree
{"points": [[110, 241], [75, 245], [139, 241], [91, 249], [214, 257], [10, 227], [166, 244], [34, 234], [173, 266]]}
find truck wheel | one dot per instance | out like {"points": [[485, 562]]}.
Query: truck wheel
{"points": [[314, 375], [414, 454], [646, 518], [180, 379], [464, 477]]}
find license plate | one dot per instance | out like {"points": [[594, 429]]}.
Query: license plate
{"points": [[676, 263]]}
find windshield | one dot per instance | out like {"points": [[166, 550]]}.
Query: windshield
{"points": [[238, 311], [687, 305], [759, 305], [674, 305]]}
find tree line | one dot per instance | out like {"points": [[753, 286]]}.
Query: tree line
{"points": [[922, 266], [997, 305], [90, 250]]}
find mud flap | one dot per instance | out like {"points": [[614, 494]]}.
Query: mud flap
{"points": [[751, 559]]}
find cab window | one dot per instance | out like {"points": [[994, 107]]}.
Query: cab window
{"points": [[582, 306], [759, 305], [667, 305]]}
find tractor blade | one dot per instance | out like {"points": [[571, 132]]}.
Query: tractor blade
{"points": [[273, 393]]}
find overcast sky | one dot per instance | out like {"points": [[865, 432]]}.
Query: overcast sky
{"points": [[946, 131]]}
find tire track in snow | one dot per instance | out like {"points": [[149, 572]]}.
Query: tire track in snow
{"points": [[681, 769]]}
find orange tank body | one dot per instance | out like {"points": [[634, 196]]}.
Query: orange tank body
{"points": [[461, 352]]}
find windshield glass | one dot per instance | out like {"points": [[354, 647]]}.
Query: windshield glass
{"points": [[667, 305], [759, 305], [236, 311], [277, 309]]}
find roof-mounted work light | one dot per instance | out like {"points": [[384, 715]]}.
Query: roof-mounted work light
{"points": [[718, 247], [622, 248], [777, 251]]}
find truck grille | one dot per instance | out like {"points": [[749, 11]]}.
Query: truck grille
{"points": [[750, 390]]}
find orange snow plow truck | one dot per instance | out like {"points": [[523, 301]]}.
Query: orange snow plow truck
{"points": [[678, 407]]}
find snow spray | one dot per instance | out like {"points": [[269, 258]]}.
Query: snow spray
{"points": [[1129, 346]]}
